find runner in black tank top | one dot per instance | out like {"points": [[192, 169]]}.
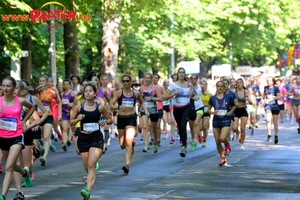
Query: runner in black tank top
{"points": [[90, 140]]}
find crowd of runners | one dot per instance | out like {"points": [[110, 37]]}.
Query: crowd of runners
{"points": [[89, 112]]}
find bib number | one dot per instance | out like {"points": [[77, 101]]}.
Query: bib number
{"points": [[270, 101], [149, 104], [221, 112], [128, 104], [65, 101], [90, 127], [205, 108], [182, 100], [9, 124]]}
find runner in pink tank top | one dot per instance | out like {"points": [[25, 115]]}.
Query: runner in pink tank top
{"points": [[11, 133]]}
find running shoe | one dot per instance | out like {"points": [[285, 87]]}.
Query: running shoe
{"points": [[242, 147], [97, 166], [52, 147], [1, 170], [2, 197], [223, 162], [155, 148], [158, 144], [182, 153], [125, 169], [42, 150], [19, 196], [27, 180], [204, 144], [252, 131], [85, 193], [200, 139], [180, 142], [31, 175], [178, 137], [43, 161], [142, 138], [145, 149], [69, 143], [227, 150], [151, 142], [36, 152], [60, 137], [64, 147], [193, 145], [172, 141], [166, 136], [276, 139], [269, 138], [133, 144]]}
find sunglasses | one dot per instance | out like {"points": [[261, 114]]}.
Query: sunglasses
{"points": [[125, 81]]}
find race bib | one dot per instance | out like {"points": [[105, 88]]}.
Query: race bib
{"points": [[221, 112], [166, 103], [65, 101], [183, 100], [205, 108], [270, 101], [149, 104], [90, 127], [9, 124], [128, 102], [279, 102]]}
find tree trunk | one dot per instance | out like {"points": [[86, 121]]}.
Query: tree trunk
{"points": [[26, 62], [72, 65], [110, 46]]}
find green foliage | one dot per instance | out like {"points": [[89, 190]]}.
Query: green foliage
{"points": [[259, 31]]}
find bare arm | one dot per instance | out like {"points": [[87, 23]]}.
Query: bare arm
{"points": [[38, 102]]}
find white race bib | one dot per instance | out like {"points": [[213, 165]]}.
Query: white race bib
{"points": [[183, 100], [166, 103], [279, 102], [127, 104], [149, 104], [221, 112], [205, 108], [9, 124], [90, 127], [270, 101], [65, 101]]}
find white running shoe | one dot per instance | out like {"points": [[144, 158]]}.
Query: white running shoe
{"points": [[242, 147]]}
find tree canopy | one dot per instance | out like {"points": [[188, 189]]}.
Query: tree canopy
{"points": [[256, 32]]}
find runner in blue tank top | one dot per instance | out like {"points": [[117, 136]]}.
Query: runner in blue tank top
{"points": [[223, 108]]}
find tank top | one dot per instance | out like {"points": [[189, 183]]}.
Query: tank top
{"points": [[46, 99], [66, 99], [242, 100], [150, 104], [10, 119], [129, 102], [101, 94], [205, 99], [90, 121]]}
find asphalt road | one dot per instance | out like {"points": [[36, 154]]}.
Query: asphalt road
{"points": [[262, 171]]}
